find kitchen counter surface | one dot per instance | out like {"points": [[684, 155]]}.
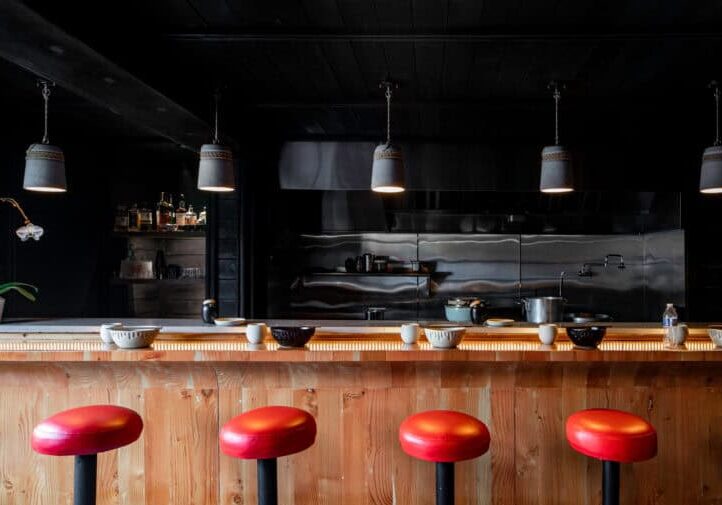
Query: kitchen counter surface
{"points": [[190, 341]]}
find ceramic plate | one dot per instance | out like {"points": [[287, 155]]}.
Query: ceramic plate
{"points": [[497, 323], [230, 321]]}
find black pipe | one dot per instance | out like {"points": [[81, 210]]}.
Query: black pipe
{"points": [[267, 482], [84, 479], [444, 483], [610, 483]]}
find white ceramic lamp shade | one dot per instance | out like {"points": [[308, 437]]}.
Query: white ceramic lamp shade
{"points": [[710, 180], [387, 172], [557, 175], [215, 171], [44, 169]]}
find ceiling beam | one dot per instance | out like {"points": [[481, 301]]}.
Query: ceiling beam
{"points": [[320, 35], [40, 47]]}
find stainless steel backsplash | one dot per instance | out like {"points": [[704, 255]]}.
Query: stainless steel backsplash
{"points": [[498, 268]]}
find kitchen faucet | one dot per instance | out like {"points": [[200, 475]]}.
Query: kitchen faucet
{"points": [[586, 270]]}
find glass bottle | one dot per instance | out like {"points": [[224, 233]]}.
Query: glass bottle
{"points": [[133, 218], [203, 217], [121, 218], [162, 217], [171, 213], [180, 212], [145, 218], [191, 218]]}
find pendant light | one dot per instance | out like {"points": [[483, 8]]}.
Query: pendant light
{"points": [[710, 179], [387, 172], [45, 163], [556, 165], [215, 171]]}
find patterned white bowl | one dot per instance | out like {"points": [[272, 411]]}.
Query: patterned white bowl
{"points": [[444, 337], [134, 337], [715, 334]]}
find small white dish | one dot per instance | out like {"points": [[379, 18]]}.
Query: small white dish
{"points": [[410, 333], [499, 323], [229, 321], [105, 335], [445, 337], [715, 334]]}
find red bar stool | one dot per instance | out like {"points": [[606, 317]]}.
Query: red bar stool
{"points": [[84, 432], [614, 437], [444, 437], [265, 434]]}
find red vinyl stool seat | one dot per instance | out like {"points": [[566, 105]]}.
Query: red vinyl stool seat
{"points": [[87, 430], [614, 437], [265, 434], [83, 432], [444, 437]]}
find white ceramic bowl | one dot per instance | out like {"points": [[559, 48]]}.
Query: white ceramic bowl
{"points": [[715, 334], [445, 337], [134, 337]]}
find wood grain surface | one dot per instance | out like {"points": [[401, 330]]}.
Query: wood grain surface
{"points": [[358, 407]]}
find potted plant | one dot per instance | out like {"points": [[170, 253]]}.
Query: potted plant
{"points": [[27, 290]]}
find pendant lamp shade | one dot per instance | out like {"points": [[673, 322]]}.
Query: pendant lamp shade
{"points": [[710, 179], [387, 172], [45, 163], [44, 169], [215, 171], [557, 175], [556, 170]]}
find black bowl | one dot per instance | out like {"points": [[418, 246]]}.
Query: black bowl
{"points": [[292, 336], [586, 337]]}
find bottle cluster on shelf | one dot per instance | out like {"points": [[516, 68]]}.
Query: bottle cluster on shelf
{"points": [[165, 218]]}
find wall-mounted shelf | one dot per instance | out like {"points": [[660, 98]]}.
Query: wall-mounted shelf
{"points": [[160, 234], [157, 281], [369, 274]]}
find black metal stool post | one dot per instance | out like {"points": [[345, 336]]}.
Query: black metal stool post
{"points": [[267, 482], [444, 483], [84, 479], [610, 483]]}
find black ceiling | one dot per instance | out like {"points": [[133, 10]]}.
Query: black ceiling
{"points": [[468, 69]]}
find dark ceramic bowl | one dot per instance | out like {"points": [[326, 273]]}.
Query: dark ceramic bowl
{"points": [[586, 337], [292, 336]]}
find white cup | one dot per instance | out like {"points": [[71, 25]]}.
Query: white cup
{"points": [[410, 333], [105, 331], [548, 333], [255, 333], [676, 335]]}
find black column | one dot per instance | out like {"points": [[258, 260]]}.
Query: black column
{"points": [[444, 483], [610, 483], [267, 482], [84, 483]]}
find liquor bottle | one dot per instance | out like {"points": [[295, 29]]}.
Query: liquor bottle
{"points": [[203, 217], [171, 213], [180, 212], [191, 218], [145, 217], [121, 218], [133, 218], [162, 216]]}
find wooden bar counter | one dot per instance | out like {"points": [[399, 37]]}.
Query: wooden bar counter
{"points": [[360, 385]]}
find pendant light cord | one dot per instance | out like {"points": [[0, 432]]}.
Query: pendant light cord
{"points": [[217, 97], [46, 99], [388, 113], [557, 97], [716, 114]]}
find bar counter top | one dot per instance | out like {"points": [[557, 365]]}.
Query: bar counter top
{"points": [[340, 341]]}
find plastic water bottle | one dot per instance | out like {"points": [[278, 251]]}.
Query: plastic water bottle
{"points": [[669, 318]]}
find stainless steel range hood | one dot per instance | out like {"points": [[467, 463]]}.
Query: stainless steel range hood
{"points": [[430, 167]]}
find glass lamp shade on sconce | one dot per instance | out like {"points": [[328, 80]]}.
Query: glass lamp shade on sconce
{"points": [[44, 169], [215, 171], [556, 170], [387, 172], [710, 180], [28, 231]]}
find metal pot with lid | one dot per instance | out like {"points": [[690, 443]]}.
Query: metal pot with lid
{"points": [[544, 309]]}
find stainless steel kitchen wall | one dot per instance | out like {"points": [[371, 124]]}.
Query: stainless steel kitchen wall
{"points": [[498, 268]]}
